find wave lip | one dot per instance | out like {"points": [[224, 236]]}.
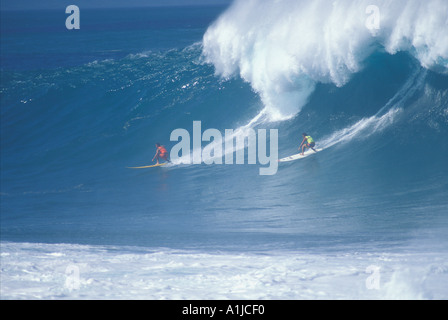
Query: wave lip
{"points": [[284, 48]]}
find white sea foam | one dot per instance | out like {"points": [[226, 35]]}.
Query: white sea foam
{"points": [[67, 271], [283, 48]]}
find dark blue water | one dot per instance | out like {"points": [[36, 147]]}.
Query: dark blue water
{"points": [[78, 107]]}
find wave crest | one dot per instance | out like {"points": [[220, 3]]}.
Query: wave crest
{"points": [[283, 48]]}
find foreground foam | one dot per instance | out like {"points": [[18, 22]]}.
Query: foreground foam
{"points": [[64, 271]]}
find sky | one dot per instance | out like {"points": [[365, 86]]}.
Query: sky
{"points": [[58, 4]]}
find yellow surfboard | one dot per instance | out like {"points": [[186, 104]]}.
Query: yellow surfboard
{"points": [[144, 167]]}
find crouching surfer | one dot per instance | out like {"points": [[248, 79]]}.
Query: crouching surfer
{"points": [[161, 153], [307, 142]]}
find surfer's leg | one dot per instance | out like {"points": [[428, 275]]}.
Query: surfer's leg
{"points": [[164, 156]]}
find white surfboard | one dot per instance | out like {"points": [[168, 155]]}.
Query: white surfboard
{"points": [[298, 156]]}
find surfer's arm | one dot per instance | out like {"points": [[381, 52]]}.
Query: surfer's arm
{"points": [[157, 152]]}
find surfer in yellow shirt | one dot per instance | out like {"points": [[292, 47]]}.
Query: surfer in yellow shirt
{"points": [[307, 142], [161, 153]]}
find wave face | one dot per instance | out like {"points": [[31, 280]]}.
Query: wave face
{"points": [[283, 48], [77, 109]]}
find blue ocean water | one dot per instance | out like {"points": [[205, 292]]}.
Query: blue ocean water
{"points": [[80, 106]]}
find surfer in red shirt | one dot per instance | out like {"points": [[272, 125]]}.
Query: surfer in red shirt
{"points": [[161, 153]]}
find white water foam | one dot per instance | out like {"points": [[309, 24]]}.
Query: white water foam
{"points": [[68, 271], [283, 48]]}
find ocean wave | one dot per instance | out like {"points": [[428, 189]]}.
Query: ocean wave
{"points": [[284, 48]]}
